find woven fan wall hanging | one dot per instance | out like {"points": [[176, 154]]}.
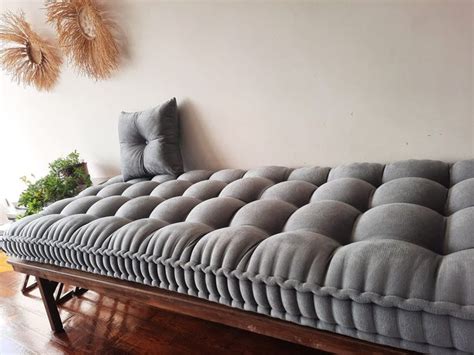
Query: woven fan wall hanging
{"points": [[86, 36], [29, 58]]}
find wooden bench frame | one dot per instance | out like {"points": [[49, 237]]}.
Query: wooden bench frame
{"points": [[48, 276]]}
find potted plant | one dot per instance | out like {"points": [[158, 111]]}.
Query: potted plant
{"points": [[66, 178]]}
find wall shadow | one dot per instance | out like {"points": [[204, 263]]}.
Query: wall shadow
{"points": [[118, 14], [196, 147]]}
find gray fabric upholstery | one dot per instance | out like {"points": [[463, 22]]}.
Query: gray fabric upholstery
{"points": [[379, 252], [149, 142]]}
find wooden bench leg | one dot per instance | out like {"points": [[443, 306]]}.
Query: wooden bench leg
{"points": [[47, 288], [79, 291], [25, 288], [61, 298]]}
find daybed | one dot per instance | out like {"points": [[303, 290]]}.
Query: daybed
{"points": [[382, 253]]}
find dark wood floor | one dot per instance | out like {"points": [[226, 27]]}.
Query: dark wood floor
{"points": [[100, 324]]}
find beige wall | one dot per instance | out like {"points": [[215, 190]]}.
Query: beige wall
{"points": [[288, 83]]}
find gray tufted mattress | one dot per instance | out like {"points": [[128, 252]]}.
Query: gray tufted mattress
{"points": [[383, 253]]}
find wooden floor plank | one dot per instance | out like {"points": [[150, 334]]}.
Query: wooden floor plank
{"points": [[100, 324], [10, 346]]}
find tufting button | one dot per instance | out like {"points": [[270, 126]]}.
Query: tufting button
{"points": [[146, 142]]}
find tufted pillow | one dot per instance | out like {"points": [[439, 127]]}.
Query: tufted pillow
{"points": [[149, 142]]}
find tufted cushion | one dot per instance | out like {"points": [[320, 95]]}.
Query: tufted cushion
{"points": [[379, 252], [149, 142]]}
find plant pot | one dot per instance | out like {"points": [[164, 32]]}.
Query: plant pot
{"points": [[82, 184], [68, 171]]}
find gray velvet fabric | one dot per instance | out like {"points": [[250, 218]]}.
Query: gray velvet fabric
{"points": [[384, 253], [149, 142]]}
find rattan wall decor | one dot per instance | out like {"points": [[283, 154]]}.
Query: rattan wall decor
{"points": [[29, 58], [87, 35]]}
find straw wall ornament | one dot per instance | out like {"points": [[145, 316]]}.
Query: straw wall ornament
{"points": [[86, 35], [29, 58]]}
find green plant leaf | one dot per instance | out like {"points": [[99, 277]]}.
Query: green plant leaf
{"points": [[66, 178]]}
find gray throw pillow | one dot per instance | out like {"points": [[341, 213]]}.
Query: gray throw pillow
{"points": [[149, 142]]}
